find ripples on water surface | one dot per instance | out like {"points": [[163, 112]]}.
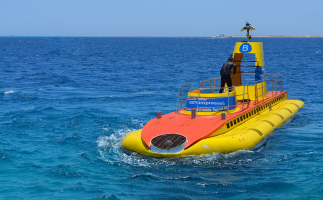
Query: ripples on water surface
{"points": [[66, 104]]}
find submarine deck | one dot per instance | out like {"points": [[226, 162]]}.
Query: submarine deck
{"points": [[205, 126]]}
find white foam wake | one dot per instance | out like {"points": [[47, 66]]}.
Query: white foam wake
{"points": [[9, 92], [110, 151]]}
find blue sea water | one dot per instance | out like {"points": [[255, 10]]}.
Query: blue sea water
{"points": [[67, 102]]}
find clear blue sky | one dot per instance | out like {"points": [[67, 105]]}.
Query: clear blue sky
{"points": [[159, 17]]}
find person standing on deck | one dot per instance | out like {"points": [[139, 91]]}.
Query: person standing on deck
{"points": [[226, 74]]}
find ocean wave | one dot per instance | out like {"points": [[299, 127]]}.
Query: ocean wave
{"points": [[110, 151], [9, 92], [146, 175]]}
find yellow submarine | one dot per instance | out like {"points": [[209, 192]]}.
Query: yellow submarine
{"points": [[207, 122]]}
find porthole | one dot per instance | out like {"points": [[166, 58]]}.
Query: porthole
{"points": [[238, 120], [235, 122], [228, 125], [231, 123]]}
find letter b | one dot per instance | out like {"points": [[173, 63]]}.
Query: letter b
{"points": [[245, 48]]}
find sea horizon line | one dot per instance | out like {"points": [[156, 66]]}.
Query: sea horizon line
{"points": [[235, 36]]}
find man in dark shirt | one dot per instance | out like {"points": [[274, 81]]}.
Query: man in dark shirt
{"points": [[226, 72]]}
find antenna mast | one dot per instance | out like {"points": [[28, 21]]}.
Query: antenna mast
{"points": [[248, 27]]}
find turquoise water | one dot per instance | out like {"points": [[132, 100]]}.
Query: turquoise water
{"points": [[66, 104]]}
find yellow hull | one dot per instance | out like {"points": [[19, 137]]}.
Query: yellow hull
{"points": [[245, 136]]}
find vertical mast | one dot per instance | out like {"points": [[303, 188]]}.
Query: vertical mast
{"points": [[248, 27]]}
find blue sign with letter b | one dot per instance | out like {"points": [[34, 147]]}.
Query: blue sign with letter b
{"points": [[245, 48]]}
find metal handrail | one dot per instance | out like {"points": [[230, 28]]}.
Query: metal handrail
{"points": [[276, 81], [211, 86], [181, 94], [273, 80]]}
